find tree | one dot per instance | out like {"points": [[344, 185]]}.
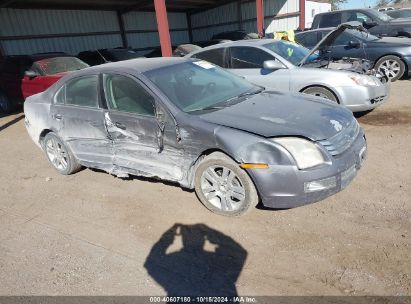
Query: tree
{"points": [[335, 4]]}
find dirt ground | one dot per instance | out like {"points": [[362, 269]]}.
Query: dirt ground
{"points": [[94, 234]]}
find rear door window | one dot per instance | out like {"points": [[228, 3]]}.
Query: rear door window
{"points": [[330, 20], [215, 56], [82, 91]]}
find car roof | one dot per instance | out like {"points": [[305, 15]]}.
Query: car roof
{"points": [[322, 29], [248, 42], [139, 65], [348, 10], [39, 56]]}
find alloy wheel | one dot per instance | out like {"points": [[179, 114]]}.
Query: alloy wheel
{"points": [[222, 188], [390, 68], [57, 154]]}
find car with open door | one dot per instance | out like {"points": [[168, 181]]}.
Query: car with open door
{"points": [[24, 75], [193, 123], [281, 65], [390, 56]]}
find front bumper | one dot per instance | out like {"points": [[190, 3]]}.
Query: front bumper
{"points": [[363, 98], [286, 186]]}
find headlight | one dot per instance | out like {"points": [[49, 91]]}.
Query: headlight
{"points": [[364, 80], [305, 153]]}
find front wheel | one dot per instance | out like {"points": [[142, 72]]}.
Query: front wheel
{"points": [[59, 155], [391, 66], [223, 187], [321, 92]]}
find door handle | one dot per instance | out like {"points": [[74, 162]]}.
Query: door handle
{"points": [[57, 116], [120, 125]]}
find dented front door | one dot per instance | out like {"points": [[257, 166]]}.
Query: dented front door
{"points": [[138, 136]]}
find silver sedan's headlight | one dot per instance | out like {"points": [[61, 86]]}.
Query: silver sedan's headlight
{"points": [[365, 80], [305, 153]]}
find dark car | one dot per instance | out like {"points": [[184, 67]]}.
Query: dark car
{"points": [[193, 123], [390, 55], [24, 75], [185, 49], [207, 43], [178, 51], [377, 23], [399, 13], [101, 56], [235, 35]]}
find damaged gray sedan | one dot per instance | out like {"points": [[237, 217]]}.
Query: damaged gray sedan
{"points": [[190, 122]]}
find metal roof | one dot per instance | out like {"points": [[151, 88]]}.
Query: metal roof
{"points": [[117, 5]]}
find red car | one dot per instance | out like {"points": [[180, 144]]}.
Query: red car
{"points": [[25, 75]]}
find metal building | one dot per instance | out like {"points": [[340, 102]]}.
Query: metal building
{"points": [[72, 26]]}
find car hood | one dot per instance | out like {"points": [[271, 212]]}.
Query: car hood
{"points": [[273, 114], [392, 41], [401, 21], [329, 39]]}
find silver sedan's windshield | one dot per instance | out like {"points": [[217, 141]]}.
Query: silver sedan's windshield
{"points": [[293, 52], [199, 85]]}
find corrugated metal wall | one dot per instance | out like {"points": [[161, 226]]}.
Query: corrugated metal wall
{"points": [[32, 31], [142, 29], [20, 22], [82, 30], [279, 15]]}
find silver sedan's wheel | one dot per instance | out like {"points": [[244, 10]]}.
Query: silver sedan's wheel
{"points": [[59, 155], [223, 187], [391, 66], [321, 92]]}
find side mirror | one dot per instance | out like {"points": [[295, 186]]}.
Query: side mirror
{"points": [[273, 65], [354, 44], [31, 74], [369, 23]]}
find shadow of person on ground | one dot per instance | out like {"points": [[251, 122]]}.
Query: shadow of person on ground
{"points": [[196, 260]]}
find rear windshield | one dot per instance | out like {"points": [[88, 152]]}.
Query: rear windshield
{"points": [[50, 66]]}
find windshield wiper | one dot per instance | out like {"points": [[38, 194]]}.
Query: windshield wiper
{"points": [[247, 93], [207, 108]]}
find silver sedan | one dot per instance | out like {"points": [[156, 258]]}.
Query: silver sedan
{"points": [[274, 64]]}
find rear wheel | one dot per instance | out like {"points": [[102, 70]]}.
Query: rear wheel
{"points": [[59, 155], [223, 187], [321, 92], [391, 66], [6, 106]]}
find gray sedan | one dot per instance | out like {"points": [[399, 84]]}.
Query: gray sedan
{"points": [[275, 65], [190, 122]]}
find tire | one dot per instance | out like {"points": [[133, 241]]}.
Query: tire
{"points": [[6, 106], [392, 66], [321, 92], [214, 191], [59, 155]]}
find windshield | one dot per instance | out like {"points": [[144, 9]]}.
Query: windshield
{"points": [[198, 86], [294, 53], [57, 65]]}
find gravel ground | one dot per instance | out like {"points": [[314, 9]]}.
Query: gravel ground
{"points": [[94, 234]]}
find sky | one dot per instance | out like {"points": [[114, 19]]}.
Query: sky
{"points": [[358, 4]]}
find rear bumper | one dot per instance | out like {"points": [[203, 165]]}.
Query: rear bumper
{"points": [[363, 98], [286, 186]]}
